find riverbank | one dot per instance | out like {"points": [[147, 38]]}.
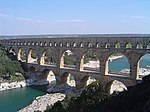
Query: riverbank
{"points": [[12, 85], [41, 102]]}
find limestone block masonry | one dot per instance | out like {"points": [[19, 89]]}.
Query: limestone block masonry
{"points": [[132, 46]]}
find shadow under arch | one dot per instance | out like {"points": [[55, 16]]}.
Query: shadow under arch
{"points": [[115, 86], [47, 77], [68, 79]]}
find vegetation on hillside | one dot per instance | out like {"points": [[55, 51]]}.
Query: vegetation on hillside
{"points": [[10, 69], [95, 99]]}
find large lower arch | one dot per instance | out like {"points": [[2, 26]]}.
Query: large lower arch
{"points": [[48, 58], [68, 60], [90, 61], [115, 86], [47, 77], [32, 56], [117, 64], [144, 65], [67, 78]]}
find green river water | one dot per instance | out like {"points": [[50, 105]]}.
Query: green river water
{"points": [[13, 100]]}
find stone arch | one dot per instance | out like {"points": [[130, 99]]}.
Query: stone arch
{"points": [[12, 50], [68, 59], [22, 55], [148, 46], [90, 61], [74, 44], [55, 44], [61, 44], [115, 86], [97, 44], [117, 45], [128, 45], [50, 44], [81, 44], [47, 77], [89, 44], [107, 45], [143, 65], [86, 80], [118, 64], [48, 57], [139, 46], [32, 56], [67, 44], [45, 44], [67, 78]]}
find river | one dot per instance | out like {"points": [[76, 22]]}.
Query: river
{"points": [[13, 100]]}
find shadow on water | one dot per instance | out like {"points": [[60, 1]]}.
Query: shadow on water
{"points": [[42, 88]]}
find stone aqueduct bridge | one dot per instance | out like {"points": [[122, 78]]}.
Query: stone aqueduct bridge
{"points": [[103, 46]]}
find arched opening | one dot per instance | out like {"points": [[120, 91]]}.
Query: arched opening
{"points": [[107, 45], [139, 46], [148, 46], [128, 45], [117, 45], [22, 55], [118, 64], [12, 54], [89, 44], [47, 77], [144, 65], [48, 58], [68, 79], [90, 80], [115, 86], [12, 51], [32, 56], [81, 44], [86, 80], [68, 59], [90, 61]]}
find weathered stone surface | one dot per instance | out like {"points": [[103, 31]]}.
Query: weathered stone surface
{"points": [[41, 102], [6, 85]]}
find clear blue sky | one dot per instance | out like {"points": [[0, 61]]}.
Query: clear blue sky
{"points": [[74, 16]]}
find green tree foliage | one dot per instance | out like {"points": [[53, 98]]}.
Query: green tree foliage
{"points": [[8, 67], [69, 59], [34, 54], [90, 55], [89, 99], [50, 57], [86, 102]]}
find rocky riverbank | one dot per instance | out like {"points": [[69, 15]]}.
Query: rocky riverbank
{"points": [[41, 102], [20, 84], [12, 85]]}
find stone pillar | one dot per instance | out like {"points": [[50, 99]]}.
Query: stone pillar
{"points": [[18, 55], [103, 67], [29, 58], [134, 65]]}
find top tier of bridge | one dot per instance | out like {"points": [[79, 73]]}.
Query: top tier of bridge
{"points": [[77, 40]]}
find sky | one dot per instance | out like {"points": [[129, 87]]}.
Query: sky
{"points": [[30, 17]]}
